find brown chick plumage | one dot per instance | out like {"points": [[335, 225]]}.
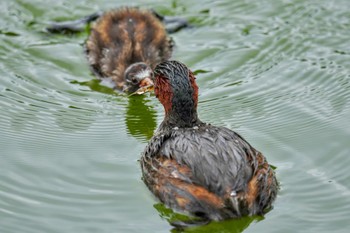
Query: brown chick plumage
{"points": [[123, 37]]}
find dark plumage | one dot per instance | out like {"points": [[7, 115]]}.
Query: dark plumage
{"points": [[125, 45], [204, 170]]}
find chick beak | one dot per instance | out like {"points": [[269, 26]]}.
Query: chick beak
{"points": [[146, 82], [145, 85]]}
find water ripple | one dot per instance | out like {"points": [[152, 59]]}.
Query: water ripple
{"points": [[276, 72]]}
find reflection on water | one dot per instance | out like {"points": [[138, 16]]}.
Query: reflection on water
{"points": [[184, 223], [95, 85], [227, 226], [140, 118], [276, 72]]}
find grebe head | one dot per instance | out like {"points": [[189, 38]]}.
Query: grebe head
{"points": [[176, 89], [136, 76]]}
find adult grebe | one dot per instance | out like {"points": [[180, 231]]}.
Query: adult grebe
{"points": [[207, 171]]}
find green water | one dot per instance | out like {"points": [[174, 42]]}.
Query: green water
{"points": [[277, 72]]}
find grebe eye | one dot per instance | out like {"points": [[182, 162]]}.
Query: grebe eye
{"points": [[134, 80]]}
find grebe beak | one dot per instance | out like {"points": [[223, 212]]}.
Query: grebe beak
{"points": [[146, 85], [146, 82]]}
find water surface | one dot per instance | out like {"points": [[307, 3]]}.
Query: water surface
{"points": [[277, 72]]}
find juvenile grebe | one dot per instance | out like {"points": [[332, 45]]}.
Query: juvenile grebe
{"points": [[207, 171], [126, 44]]}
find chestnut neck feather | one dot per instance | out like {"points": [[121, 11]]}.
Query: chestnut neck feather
{"points": [[178, 92]]}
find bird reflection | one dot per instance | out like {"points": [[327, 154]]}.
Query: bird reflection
{"points": [[184, 223], [140, 119]]}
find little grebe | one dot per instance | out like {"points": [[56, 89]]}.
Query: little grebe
{"points": [[207, 171], [125, 45]]}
